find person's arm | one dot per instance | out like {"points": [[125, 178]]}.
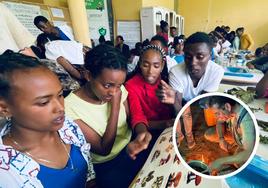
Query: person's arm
{"points": [[143, 137], [262, 86], [248, 141], [168, 95], [259, 61], [69, 68], [160, 124], [263, 67], [250, 65], [139, 144], [138, 116], [103, 145], [220, 129]]}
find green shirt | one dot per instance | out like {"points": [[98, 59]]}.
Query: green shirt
{"points": [[96, 117]]}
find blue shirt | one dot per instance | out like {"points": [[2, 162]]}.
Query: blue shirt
{"points": [[178, 58], [70, 177], [62, 36]]}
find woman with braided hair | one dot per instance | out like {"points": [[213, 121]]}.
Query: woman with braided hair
{"points": [[147, 113]]}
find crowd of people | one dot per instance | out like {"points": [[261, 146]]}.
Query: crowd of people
{"points": [[90, 116]]}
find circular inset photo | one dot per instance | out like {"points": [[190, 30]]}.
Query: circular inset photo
{"points": [[215, 135]]}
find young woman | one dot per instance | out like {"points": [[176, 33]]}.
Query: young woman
{"points": [[38, 146], [100, 109], [146, 110]]}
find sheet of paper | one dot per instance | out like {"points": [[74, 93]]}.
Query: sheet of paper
{"points": [[163, 169], [57, 12]]}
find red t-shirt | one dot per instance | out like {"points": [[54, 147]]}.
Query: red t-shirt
{"points": [[165, 35], [144, 105]]}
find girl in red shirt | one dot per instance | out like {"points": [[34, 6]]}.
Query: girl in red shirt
{"points": [[146, 111]]}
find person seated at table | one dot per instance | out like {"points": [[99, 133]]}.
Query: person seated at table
{"points": [[178, 45], [100, 108], [69, 54], [232, 118], [217, 48], [196, 76], [134, 57], [146, 111], [173, 34], [39, 146], [231, 37], [259, 52], [262, 87], [265, 49], [260, 63], [236, 41], [63, 32]]}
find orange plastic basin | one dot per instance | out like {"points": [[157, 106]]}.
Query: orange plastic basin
{"points": [[210, 117]]}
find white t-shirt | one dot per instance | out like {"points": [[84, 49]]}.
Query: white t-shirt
{"points": [[131, 66], [70, 50], [181, 81], [170, 62], [67, 30], [226, 44]]}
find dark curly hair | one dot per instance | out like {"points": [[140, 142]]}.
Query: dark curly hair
{"points": [[161, 39], [104, 56], [221, 101], [11, 62], [164, 73], [199, 37], [38, 19]]}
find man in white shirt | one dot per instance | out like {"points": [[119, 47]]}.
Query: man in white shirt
{"points": [[196, 76], [181, 81]]}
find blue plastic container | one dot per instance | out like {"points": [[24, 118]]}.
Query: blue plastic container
{"points": [[255, 175], [236, 71]]}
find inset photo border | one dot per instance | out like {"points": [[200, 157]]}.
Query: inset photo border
{"points": [[205, 138]]}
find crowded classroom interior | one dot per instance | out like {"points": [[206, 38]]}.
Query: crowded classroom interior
{"points": [[90, 92]]}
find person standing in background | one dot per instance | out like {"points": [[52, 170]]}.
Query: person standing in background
{"points": [[246, 41], [236, 41], [173, 34], [164, 30], [124, 48]]}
